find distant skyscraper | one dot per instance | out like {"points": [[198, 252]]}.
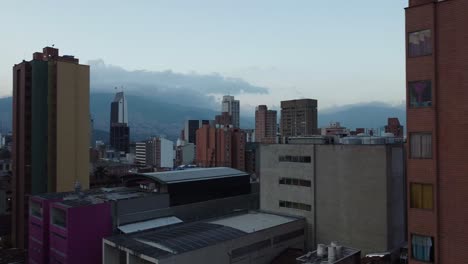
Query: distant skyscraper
{"points": [[223, 120], [231, 106], [155, 152], [265, 125], [298, 117], [393, 126], [220, 147], [119, 129], [50, 130], [190, 129]]}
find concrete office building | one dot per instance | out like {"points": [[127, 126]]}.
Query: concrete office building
{"points": [[251, 237], [298, 117], [265, 125], [50, 130], [119, 129], [350, 193], [191, 127], [436, 73], [220, 147], [231, 106], [155, 152]]}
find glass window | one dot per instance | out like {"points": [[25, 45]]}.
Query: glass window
{"points": [[36, 209], [58, 217], [420, 43], [420, 93], [421, 145], [421, 196], [422, 248]]}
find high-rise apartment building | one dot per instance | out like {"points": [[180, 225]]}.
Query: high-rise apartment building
{"points": [[437, 85], [298, 117], [231, 106], [191, 127], [223, 120], [50, 130], [393, 126], [119, 129], [265, 125], [220, 147], [155, 152]]}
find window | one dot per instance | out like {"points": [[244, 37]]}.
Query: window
{"points": [[421, 196], [301, 159], [420, 43], [36, 209], [294, 181], [421, 145], [58, 217], [294, 205], [420, 93], [422, 248]]}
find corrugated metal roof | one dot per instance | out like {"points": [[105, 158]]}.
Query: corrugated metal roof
{"points": [[198, 174], [153, 223]]}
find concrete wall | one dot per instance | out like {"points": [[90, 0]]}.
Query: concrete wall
{"points": [[352, 196], [196, 211], [356, 194], [271, 170], [72, 126]]}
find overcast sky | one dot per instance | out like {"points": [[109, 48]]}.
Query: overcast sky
{"points": [[336, 51]]}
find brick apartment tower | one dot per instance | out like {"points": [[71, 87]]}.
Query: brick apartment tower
{"points": [[298, 117], [220, 147], [265, 125], [437, 120], [50, 131]]}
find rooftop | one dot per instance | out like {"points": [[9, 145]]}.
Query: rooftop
{"points": [[313, 258], [179, 238], [196, 174], [94, 196]]}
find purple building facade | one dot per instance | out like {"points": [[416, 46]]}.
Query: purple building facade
{"points": [[76, 231]]}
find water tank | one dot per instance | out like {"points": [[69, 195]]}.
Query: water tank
{"points": [[321, 250], [331, 254], [378, 140], [339, 251]]}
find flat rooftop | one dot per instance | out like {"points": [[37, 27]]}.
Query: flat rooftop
{"points": [[179, 238], [196, 174], [95, 196]]}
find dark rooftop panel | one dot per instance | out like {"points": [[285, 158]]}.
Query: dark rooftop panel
{"points": [[198, 174]]}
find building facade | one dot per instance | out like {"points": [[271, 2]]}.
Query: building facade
{"points": [[50, 130], [155, 152], [298, 117], [348, 193], [223, 120], [436, 70], [191, 127], [393, 126], [265, 125], [231, 106], [220, 147], [119, 138]]}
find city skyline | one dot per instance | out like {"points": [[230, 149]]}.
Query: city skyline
{"points": [[309, 61]]}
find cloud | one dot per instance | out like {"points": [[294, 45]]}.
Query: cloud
{"points": [[188, 89]]}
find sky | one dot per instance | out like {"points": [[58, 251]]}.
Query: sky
{"points": [[339, 52]]}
